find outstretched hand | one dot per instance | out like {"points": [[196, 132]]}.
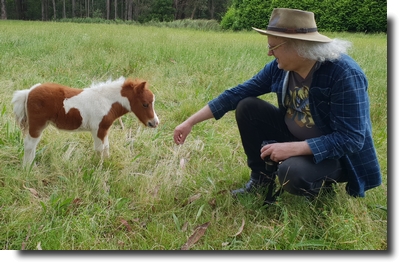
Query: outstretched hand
{"points": [[181, 132]]}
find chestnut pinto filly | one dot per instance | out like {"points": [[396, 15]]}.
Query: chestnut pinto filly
{"points": [[91, 109]]}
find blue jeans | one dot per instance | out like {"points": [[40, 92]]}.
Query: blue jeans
{"points": [[258, 121]]}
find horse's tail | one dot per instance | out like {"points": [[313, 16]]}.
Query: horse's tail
{"points": [[19, 100]]}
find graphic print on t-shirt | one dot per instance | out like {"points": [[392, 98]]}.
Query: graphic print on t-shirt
{"points": [[298, 117], [297, 102]]}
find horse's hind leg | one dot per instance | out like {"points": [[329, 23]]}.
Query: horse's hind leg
{"points": [[30, 144]]}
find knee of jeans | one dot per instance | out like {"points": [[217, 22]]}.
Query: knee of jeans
{"points": [[285, 176], [245, 104], [292, 182]]}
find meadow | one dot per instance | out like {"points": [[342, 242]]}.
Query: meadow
{"points": [[152, 194]]}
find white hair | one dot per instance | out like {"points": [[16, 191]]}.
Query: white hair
{"points": [[321, 52]]}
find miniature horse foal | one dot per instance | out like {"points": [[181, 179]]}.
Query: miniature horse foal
{"points": [[91, 109]]}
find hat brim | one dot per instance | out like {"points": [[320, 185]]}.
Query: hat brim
{"points": [[313, 37]]}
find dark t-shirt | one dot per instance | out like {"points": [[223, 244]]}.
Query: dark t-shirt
{"points": [[298, 118]]}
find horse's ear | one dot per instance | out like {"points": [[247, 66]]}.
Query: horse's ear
{"points": [[140, 86]]}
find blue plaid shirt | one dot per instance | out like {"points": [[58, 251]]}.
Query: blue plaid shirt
{"points": [[339, 104]]}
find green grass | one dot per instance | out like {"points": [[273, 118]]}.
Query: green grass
{"points": [[138, 198]]}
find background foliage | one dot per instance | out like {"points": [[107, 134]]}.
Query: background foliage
{"points": [[367, 16], [140, 10], [331, 15]]}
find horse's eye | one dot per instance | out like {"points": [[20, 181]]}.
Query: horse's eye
{"points": [[145, 105]]}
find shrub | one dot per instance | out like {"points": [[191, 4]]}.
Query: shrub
{"points": [[331, 15]]}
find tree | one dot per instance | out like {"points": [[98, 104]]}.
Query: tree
{"points": [[217, 8], [200, 9], [116, 9], [108, 8], [63, 9], [44, 10], [129, 9], [18, 8], [197, 6], [212, 8], [139, 8], [179, 6], [121, 5], [54, 11], [126, 8], [3, 10]]}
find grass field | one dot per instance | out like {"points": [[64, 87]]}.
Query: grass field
{"points": [[152, 194]]}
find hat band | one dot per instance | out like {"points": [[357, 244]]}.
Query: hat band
{"points": [[292, 30]]}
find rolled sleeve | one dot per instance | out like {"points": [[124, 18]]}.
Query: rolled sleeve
{"points": [[259, 84]]}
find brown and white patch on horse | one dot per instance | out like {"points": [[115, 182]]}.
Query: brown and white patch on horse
{"points": [[45, 105]]}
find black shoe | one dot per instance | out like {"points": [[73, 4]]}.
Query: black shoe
{"points": [[251, 186]]}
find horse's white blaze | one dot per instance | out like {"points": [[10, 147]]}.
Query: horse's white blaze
{"points": [[155, 121]]}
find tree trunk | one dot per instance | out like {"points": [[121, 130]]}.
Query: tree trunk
{"points": [[126, 8], [130, 10], [136, 9], [42, 10], [175, 5], [212, 9], [121, 14], [18, 7], [180, 6], [116, 9], [193, 13], [63, 9], [108, 6], [3, 10], [44, 17], [54, 11], [73, 8]]}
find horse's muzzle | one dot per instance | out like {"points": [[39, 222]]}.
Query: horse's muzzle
{"points": [[153, 123]]}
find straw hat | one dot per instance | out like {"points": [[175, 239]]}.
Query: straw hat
{"points": [[293, 23]]}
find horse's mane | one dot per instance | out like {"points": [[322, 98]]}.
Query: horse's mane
{"points": [[115, 83], [108, 83]]}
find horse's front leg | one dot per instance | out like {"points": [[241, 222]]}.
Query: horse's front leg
{"points": [[98, 143], [30, 144], [106, 146], [101, 144]]}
